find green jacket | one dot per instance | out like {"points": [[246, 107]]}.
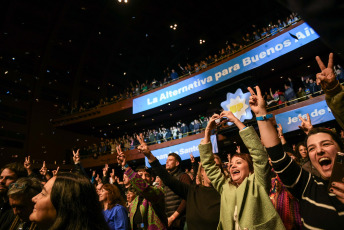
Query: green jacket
{"points": [[335, 101], [249, 204]]}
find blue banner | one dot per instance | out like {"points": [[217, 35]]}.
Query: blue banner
{"points": [[183, 150], [256, 57], [319, 113]]}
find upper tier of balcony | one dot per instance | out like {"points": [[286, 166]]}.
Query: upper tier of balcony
{"points": [[124, 108]]}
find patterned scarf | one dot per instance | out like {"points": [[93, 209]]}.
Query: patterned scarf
{"points": [[150, 218]]}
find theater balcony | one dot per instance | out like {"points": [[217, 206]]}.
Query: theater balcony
{"points": [[263, 63]]}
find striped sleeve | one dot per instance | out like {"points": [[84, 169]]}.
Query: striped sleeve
{"points": [[291, 174]]}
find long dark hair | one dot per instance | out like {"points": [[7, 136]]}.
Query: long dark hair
{"points": [[76, 203], [297, 151], [114, 195]]}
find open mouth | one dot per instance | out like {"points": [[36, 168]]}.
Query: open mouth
{"points": [[235, 172], [325, 162]]}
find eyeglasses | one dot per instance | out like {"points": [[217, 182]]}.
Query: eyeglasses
{"points": [[23, 186], [18, 186]]}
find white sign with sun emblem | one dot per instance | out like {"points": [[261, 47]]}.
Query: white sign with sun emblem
{"points": [[237, 103]]}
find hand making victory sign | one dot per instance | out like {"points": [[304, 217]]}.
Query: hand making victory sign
{"points": [[120, 157], [143, 148], [306, 124], [76, 157], [257, 102], [326, 78], [44, 169]]}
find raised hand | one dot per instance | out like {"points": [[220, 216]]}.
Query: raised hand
{"points": [[97, 178], [238, 149], [280, 130], [44, 169], [119, 149], [143, 147], [210, 126], [326, 78], [229, 115], [192, 158], [112, 175], [55, 171], [306, 124], [121, 157], [105, 169], [27, 163], [229, 158], [212, 122], [94, 173], [257, 102], [76, 157]]}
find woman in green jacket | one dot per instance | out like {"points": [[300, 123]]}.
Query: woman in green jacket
{"points": [[245, 203]]}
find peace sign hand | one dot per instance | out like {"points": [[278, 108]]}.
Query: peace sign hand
{"points": [[76, 157], [121, 159], [306, 124], [327, 78], [257, 102], [143, 147], [119, 149], [44, 169], [27, 163]]}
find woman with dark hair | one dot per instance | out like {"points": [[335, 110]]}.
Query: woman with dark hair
{"points": [[68, 201], [301, 154], [245, 203], [320, 208], [113, 205]]}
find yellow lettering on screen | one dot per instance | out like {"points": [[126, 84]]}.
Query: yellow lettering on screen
{"points": [[236, 108]]}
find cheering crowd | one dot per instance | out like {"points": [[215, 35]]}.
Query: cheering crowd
{"points": [[253, 35], [272, 187]]}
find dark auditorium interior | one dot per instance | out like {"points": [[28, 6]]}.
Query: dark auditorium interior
{"points": [[70, 70]]}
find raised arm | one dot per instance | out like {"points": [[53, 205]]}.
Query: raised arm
{"points": [[178, 187], [77, 164], [257, 151], [143, 188], [288, 170], [207, 157], [333, 90], [285, 145]]}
